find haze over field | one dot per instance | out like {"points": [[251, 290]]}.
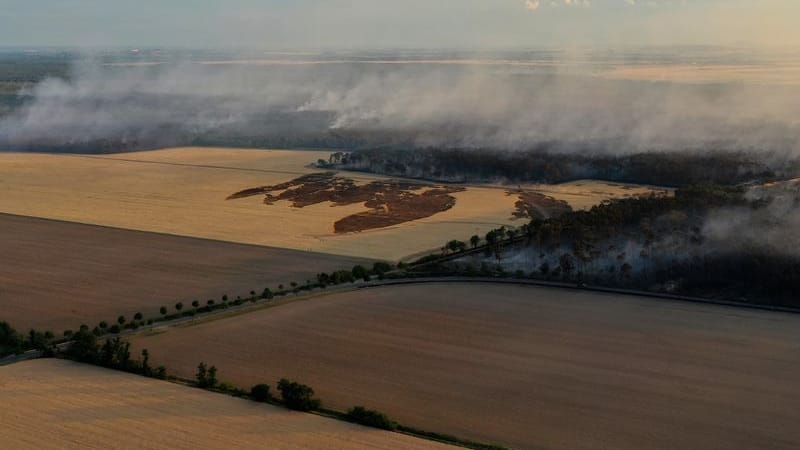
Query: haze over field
{"points": [[610, 75], [511, 101]]}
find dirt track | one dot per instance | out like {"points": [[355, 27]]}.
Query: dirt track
{"points": [[52, 404], [522, 366], [57, 275]]}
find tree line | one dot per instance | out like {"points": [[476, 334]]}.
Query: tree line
{"points": [[542, 165], [671, 253], [13, 342]]}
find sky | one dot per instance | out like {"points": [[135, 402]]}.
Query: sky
{"points": [[312, 24]]}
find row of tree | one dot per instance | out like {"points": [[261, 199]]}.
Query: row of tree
{"points": [[543, 165], [13, 342], [113, 353]]}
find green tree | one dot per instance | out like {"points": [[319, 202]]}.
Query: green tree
{"points": [[202, 374], [474, 241], [206, 376], [195, 304], [359, 272], [381, 268], [211, 378], [456, 246], [146, 369], [10, 340], [121, 320], [178, 306], [370, 418], [267, 294], [84, 346], [297, 396], [163, 310], [138, 316], [260, 393]]}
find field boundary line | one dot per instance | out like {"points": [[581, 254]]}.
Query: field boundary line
{"points": [[588, 288], [173, 235]]}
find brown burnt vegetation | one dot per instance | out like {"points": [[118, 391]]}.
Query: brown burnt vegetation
{"points": [[391, 202], [534, 205]]}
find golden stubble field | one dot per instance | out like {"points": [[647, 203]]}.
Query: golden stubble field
{"points": [[55, 404], [522, 366], [583, 194], [182, 191]]}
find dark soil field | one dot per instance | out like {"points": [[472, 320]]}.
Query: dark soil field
{"points": [[57, 275], [526, 367]]}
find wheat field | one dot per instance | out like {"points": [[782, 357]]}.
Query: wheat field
{"points": [[182, 191], [56, 404]]}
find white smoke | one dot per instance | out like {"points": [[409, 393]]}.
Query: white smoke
{"points": [[503, 105]]}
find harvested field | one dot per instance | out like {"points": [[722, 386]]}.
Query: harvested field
{"points": [[55, 404], [523, 366], [391, 202], [183, 192], [57, 275]]}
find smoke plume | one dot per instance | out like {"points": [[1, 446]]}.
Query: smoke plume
{"points": [[432, 103]]}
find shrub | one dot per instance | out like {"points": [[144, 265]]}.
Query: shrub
{"points": [[260, 393], [370, 418], [297, 396], [359, 272], [83, 347], [227, 387], [114, 329], [10, 340], [381, 268], [206, 376]]}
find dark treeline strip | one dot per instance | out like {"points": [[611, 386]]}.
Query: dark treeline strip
{"points": [[585, 247], [13, 342], [542, 165]]}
